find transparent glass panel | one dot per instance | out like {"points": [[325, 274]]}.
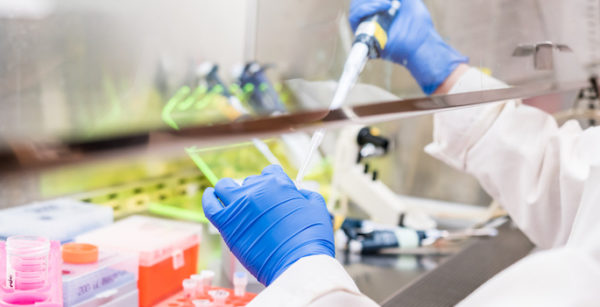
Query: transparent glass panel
{"points": [[86, 70]]}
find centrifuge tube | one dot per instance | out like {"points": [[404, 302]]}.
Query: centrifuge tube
{"points": [[219, 297], [240, 281], [207, 277], [189, 288], [200, 287]]}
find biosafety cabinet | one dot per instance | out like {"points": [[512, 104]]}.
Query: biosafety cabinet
{"points": [[138, 106]]}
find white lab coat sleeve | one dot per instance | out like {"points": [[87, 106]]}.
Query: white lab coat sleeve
{"points": [[547, 178], [316, 281], [556, 277], [520, 156], [564, 276]]}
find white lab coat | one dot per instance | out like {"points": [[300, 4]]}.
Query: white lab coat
{"points": [[547, 178]]}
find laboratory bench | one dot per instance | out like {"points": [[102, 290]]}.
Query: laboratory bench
{"points": [[409, 279], [158, 253]]}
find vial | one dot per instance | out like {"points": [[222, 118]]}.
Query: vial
{"points": [[200, 288], [27, 259], [240, 281], [207, 277], [189, 288], [219, 297]]}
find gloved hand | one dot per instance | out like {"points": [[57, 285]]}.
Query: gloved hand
{"points": [[268, 223], [412, 41]]}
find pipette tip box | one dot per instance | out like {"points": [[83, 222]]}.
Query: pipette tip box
{"points": [[126, 295], [109, 278], [167, 252], [58, 219]]}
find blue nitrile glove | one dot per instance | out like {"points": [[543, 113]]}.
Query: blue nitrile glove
{"points": [[412, 41], [268, 223]]}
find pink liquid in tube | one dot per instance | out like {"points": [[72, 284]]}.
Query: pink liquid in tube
{"points": [[27, 262], [31, 271]]}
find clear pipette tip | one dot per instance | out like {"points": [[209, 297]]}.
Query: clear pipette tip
{"points": [[315, 142], [352, 68], [265, 151]]}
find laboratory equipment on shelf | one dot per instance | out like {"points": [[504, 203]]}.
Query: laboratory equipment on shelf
{"points": [[199, 291], [370, 40], [254, 83], [260, 93], [209, 71], [167, 252], [586, 108], [356, 179], [58, 219], [93, 277], [31, 271]]}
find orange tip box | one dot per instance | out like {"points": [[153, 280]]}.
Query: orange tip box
{"points": [[167, 250]]}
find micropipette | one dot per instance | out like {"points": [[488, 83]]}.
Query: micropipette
{"points": [[368, 237], [371, 38]]}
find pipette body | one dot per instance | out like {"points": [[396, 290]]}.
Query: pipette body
{"points": [[367, 237], [371, 38]]}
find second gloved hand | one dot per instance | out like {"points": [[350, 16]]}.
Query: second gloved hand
{"points": [[268, 223], [412, 41]]}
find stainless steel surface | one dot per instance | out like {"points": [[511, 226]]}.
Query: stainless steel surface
{"points": [[462, 273], [462, 234], [380, 276]]}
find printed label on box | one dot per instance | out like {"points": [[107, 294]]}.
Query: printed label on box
{"points": [[97, 282]]}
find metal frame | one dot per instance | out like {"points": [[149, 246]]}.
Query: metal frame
{"points": [[34, 154]]}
